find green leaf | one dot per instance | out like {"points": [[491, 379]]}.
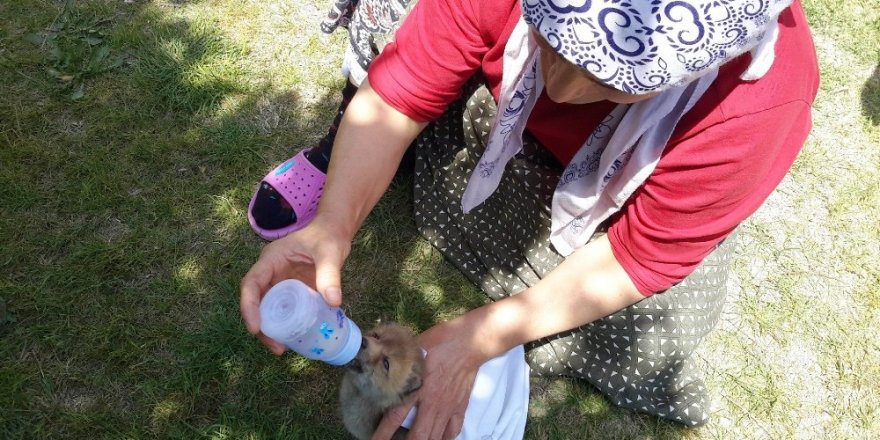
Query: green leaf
{"points": [[98, 57], [79, 92], [93, 41], [116, 63], [55, 53], [6, 317], [36, 39], [5, 61]]}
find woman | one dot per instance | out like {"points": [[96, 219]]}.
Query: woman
{"points": [[631, 141]]}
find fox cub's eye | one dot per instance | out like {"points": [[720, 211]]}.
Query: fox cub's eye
{"points": [[385, 363]]}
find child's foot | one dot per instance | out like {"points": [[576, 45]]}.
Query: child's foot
{"points": [[271, 211], [287, 197]]}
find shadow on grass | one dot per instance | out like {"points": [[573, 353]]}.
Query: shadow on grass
{"points": [[120, 265], [871, 97]]}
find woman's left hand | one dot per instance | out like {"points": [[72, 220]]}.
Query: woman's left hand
{"points": [[588, 285], [450, 370]]}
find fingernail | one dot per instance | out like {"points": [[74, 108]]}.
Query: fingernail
{"points": [[251, 326], [333, 296]]}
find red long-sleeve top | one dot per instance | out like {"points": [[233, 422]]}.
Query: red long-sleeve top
{"points": [[725, 157]]}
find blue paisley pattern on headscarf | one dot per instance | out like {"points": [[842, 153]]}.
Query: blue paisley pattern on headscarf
{"points": [[648, 46]]}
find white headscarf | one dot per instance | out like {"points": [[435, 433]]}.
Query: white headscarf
{"points": [[673, 47]]}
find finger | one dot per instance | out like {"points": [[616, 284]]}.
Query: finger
{"points": [[438, 427], [327, 278], [253, 287], [393, 418], [276, 347], [427, 423], [453, 428]]}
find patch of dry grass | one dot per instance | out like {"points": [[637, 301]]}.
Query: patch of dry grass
{"points": [[796, 351]]}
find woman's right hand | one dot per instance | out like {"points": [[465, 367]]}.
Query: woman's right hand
{"points": [[372, 138], [313, 255]]}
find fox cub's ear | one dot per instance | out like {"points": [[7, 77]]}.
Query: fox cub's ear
{"points": [[413, 383]]}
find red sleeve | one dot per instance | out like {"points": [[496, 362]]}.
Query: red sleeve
{"points": [[703, 187], [437, 49]]}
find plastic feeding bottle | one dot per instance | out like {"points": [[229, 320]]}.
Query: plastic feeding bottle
{"points": [[295, 315]]}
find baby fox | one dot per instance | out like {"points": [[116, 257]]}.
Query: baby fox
{"points": [[387, 368]]}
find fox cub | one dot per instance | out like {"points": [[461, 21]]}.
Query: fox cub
{"points": [[387, 368]]}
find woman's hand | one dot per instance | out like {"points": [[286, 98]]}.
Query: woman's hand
{"points": [[313, 255], [588, 285], [371, 140], [454, 356]]}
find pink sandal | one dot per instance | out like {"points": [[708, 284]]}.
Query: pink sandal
{"points": [[301, 185]]}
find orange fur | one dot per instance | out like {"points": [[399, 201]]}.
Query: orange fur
{"points": [[387, 368]]}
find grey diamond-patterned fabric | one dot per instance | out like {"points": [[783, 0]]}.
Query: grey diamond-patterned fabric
{"points": [[638, 357], [372, 26]]}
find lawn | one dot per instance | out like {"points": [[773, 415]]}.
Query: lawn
{"points": [[132, 134]]}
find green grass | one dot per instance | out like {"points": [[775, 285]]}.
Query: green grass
{"points": [[132, 135]]}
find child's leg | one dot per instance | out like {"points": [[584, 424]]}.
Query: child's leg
{"points": [[370, 23], [270, 209]]}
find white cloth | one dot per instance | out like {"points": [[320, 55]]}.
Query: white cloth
{"points": [[609, 167], [499, 401], [521, 85]]}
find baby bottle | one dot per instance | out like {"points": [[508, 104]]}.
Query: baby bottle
{"points": [[295, 315]]}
